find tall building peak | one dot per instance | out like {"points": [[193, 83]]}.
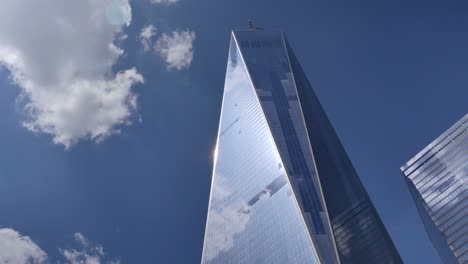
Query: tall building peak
{"points": [[283, 188]]}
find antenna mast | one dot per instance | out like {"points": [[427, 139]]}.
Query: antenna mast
{"points": [[252, 27]]}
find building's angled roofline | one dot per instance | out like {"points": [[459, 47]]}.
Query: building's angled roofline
{"points": [[434, 143], [263, 30], [253, 28]]}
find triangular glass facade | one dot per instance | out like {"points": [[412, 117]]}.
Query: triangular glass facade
{"points": [[273, 79], [253, 216], [284, 190]]}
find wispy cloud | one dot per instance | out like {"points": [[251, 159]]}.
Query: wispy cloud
{"points": [[146, 35], [61, 58], [20, 249], [88, 253], [176, 49]]}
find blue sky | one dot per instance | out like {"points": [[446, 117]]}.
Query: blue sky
{"points": [[117, 167]]}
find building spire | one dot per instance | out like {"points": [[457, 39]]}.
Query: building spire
{"points": [[252, 27]]}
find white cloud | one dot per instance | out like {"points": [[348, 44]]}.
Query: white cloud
{"points": [[119, 12], [228, 216], [18, 249], [61, 57], [88, 254], [224, 225], [146, 34], [164, 1], [237, 74], [176, 49], [80, 238]]}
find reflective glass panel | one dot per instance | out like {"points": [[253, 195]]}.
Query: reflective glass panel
{"points": [[438, 181], [268, 65], [253, 216]]}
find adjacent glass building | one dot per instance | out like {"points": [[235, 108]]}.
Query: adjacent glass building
{"points": [[283, 188], [437, 178]]}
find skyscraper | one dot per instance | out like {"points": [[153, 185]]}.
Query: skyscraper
{"points": [[437, 178], [283, 188]]}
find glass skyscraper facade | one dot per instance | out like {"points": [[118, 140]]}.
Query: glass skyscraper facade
{"points": [[437, 178], [283, 188]]}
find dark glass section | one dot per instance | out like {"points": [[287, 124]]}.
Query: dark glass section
{"points": [[434, 234], [438, 181], [267, 63], [360, 235]]}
